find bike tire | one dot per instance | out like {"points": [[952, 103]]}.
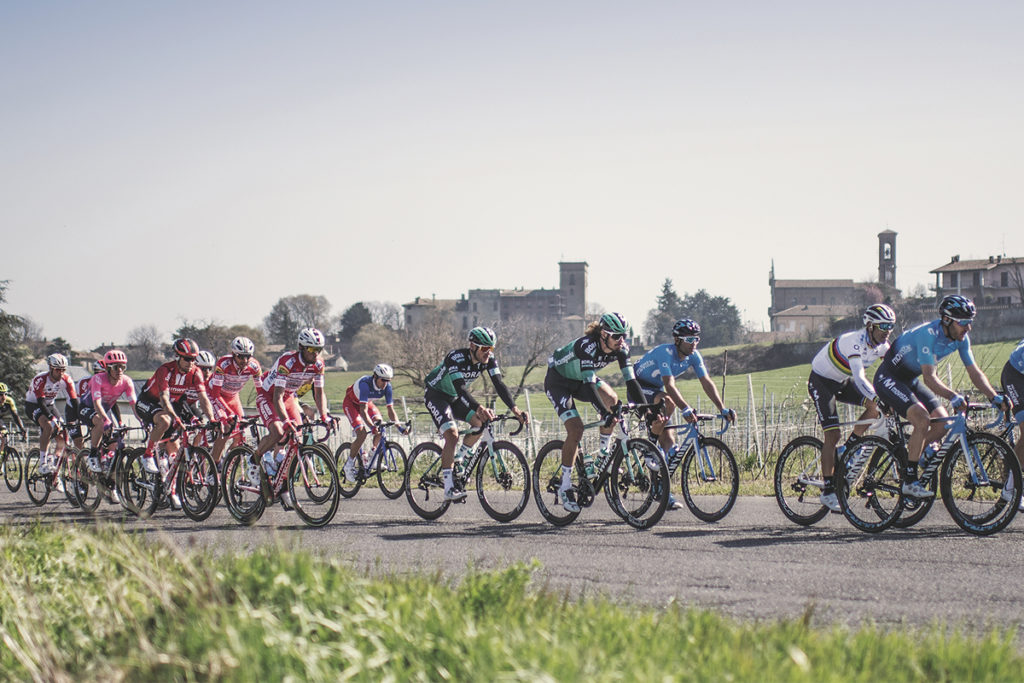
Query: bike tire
{"points": [[197, 484], [67, 475], [133, 487], [86, 486], [391, 470], [546, 480], [242, 497], [796, 470], [13, 468], [873, 500], [341, 456], [980, 509], [640, 494], [313, 482], [503, 481], [37, 485], [424, 486], [711, 480]]}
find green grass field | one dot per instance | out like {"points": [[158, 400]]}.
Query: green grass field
{"points": [[78, 603]]}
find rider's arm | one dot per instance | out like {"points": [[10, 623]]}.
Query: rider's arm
{"points": [[860, 379], [668, 383], [633, 390], [712, 392], [320, 399], [505, 395], [364, 412], [932, 381]]}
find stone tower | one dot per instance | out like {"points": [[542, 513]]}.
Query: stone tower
{"points": [[572, 283], [887, 258]]}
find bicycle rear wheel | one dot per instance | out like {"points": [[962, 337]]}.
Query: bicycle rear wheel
{"points": [[798, 481], [503, 481], [391, 470], [870, 494], [12, 469], [639, 494], [86, 485], [546, 480], [341, 456], [242, 493], [37, 485], [982, 488], [138, 487], [197, 483], [424, 487], [313, 483], [711, 480]]}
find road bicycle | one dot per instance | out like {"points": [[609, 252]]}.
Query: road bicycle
{"points": [[92, 487], [633, 474], [975, 473], [306, 480], [501, 472], [189, 474], [58, 475], [708, 476], [387, 462], [11, 465]]}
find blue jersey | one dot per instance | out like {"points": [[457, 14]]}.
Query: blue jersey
{"points": [[665, 361], [925, 344], [366, 390], [1017, 358]]}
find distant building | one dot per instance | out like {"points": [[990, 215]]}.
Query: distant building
{"points": [[997, 280], [566, 303]]}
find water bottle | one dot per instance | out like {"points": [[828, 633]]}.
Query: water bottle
{"points": [[589, 465], [163, 464]]}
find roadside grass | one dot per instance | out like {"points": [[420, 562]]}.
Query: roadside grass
{"points": [[85, 604]]}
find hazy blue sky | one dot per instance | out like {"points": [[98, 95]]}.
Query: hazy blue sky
{"points": [[163, 161]]}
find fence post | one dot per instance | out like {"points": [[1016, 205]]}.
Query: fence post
{"points": [[752, 425]]}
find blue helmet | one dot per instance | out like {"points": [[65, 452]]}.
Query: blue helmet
{"points": [[956, 306]]}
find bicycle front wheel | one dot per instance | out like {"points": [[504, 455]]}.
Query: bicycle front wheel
{"points": [[424, 487], [639, 493], [982, 488], [869, 485], [547, 479], [503, 481], [37, 485], [313, 482], [86, 485], [341, 456], [391, 470], [798, 481], [711, 480], [197, 483], [12, 469], [240, 485]]}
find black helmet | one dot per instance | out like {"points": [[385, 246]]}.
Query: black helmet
{"points": [[959, 307], [686, 327]]}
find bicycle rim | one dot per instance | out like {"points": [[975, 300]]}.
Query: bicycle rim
{"points": [[341, 456], [872, 496], [197, 484], [798, 481], [640, 494], [242, 497], [37, 485], [86, 485], [12, 467], [710, 479], [424, 487], [972, 484], [313, 482], [391, 470], [503, 481], [546, 480]]}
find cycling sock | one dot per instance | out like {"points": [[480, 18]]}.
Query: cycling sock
{"points": [[446, 476], [910, 471], [464, 452], [566, 478], [829, 486]]}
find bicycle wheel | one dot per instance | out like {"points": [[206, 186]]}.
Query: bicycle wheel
{"points": [[424, 488], [67, 475], [640, 494], [915, 509], [871, 493], [197, 483], [12, 469], [981, 489], [798, 481], [313, 483], [391, 470], [711, 480], [37, 485], [546, 480], [241, 487], [503, 481], [86, 485], [341, 456]]}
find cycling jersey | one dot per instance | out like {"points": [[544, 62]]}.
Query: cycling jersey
{"points": [[45, 390], [925, 344], [83, 387], [845, 359], [574, 367], [9, 407], [228, 379], [290, 373], [665, 361], [168, 377], [1017, 358], [458, 371], [102, 390], [365, 389]]}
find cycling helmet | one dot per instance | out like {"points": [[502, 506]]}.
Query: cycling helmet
{"points": [[97, 366], [115, 356], [614, 323], [959, 307], [205, 359], [57, 360], [186, 348], [384, 371], [482, 336], [878, 313], [242, 346], [311, 337], [687, 327], [3, 388]]}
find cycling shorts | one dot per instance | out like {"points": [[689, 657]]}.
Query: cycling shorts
{"points": [[1013, 386], [899, 393], [35, 410], [87, 411], [146, 409], [224, 407], [351, 409], [825, 392], [444, 409], [562, 393], [266, 409]]}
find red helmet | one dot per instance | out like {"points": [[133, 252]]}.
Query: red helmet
{"points": [[186, 348], [115, 356]]}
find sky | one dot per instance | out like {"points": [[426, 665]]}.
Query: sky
{"points": [[163, 162]]}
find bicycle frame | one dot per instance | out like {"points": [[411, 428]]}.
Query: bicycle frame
{"points": [[691, 437]]}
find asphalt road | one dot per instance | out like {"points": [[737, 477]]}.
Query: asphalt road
{"points": [[753, 564]]}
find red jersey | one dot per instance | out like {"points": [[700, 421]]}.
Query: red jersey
{"points": [[228, 380], [169, 377], [291, 373], [45, 390]]}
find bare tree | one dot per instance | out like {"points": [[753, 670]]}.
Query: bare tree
{"points": [[373, 344], [145, 347], [292, 313], [386, 313], [1018, 277], [417, 353], [528, 343]]}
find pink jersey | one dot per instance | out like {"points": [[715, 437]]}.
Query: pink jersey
{"points": [[102, 390], [228, 380], [291, 373], [45, 390]]}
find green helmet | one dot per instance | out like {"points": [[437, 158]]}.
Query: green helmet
{"points": [[614, 323], [482, 336]]}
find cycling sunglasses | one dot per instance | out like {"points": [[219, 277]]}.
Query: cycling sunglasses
{"points": [[885, 326], [689, 340], [617, 335], [963, 322]]}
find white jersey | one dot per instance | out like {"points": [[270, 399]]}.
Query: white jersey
{"points": [[833, 360]]}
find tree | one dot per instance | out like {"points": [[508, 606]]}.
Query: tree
{"points": [[373, 344], [663, 316], [528, 343], [386, 313], [417, 353], [293, 313], [352, 320], [59, 345], [15, 360], [144, 347], [718, 317]]}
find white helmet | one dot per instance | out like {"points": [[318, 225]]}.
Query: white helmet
{"points": [[205, 359], [878, 313], [311, 337], [384, 371], [242, 346], [57, 360]]}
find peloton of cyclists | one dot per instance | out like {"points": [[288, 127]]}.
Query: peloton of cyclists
{"points": [[40, 407], [447, 399], [363, 415]]}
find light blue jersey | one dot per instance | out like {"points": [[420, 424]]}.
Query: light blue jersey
{"points": [[665, 361], [925, 344], [1017, 358]]}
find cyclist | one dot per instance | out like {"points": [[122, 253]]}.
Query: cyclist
{"points": [[99, 403], [838, 374], [39, 407], [447, 398], [1012, 379], [230, 374], [572, 374], [9, 408], [276, 401], [363, 415], [156, 407], [657, 371], [907, 383]]}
